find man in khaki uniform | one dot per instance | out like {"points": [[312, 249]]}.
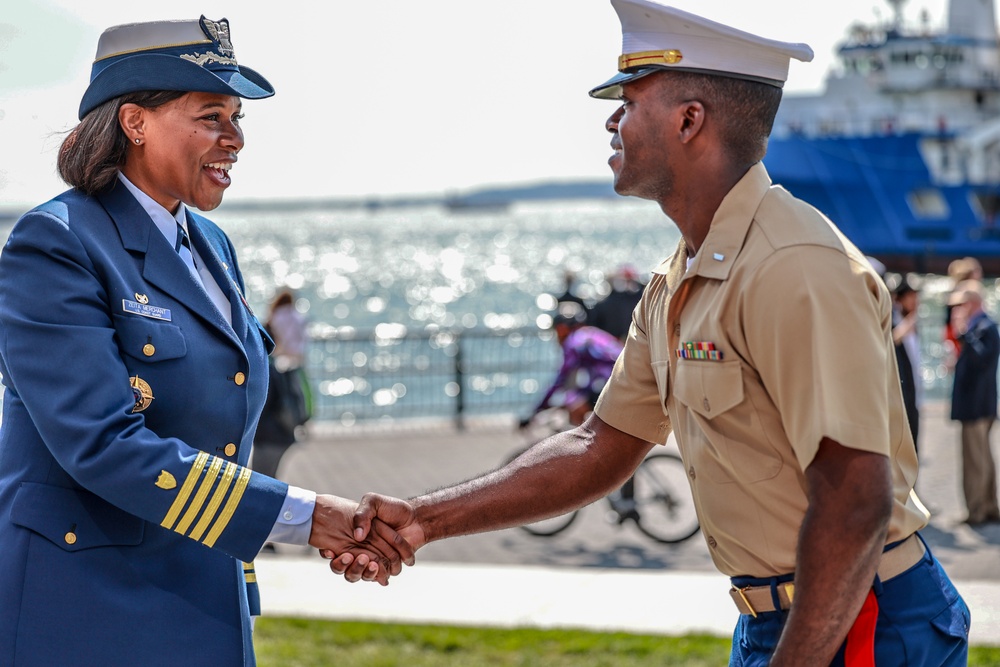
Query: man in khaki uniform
{"points": [[764, 342]]}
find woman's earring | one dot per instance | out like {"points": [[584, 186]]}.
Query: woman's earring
{"points": [[138, 140]]}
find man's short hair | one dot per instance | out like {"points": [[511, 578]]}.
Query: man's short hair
{"points": [[744, 109]]}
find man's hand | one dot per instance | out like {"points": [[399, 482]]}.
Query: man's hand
{"points": [[379, 553], [397, 513]]}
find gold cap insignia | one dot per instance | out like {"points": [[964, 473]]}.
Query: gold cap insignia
{"points": [[142, 392], [647, 58], [141, 298], [166, 480]]}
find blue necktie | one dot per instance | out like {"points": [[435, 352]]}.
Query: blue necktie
{"points": [[183, 247]]}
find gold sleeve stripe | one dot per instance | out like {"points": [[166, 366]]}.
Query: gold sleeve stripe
{"points": [[227, 513], [199, 498], [249, 573], [182, 496], [213, 506]]}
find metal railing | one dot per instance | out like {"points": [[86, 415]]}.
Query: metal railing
{"points": [[391, 373]]}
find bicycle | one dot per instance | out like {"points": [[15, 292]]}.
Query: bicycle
{"points": [[657, 498]]}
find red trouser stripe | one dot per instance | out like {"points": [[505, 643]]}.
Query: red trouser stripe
{"points": [[860, 648]]}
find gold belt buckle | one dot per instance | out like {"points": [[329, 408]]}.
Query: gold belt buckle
{"points": [[745, 600]]}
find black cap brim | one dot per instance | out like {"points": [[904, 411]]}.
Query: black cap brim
{"points": [[612, 88]]}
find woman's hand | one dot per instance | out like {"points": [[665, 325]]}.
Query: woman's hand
{"points": [[375, 556]]}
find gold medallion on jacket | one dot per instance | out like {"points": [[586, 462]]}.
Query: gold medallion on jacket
{"points": [[142, 392]]}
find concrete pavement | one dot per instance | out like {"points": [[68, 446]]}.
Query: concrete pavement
{"points": [[596, 575]]}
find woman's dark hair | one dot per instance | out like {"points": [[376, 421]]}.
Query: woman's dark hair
{"points": [[94, 150], [283, 298]]}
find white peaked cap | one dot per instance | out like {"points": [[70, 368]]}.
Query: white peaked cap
{"points": [[657, 37]]}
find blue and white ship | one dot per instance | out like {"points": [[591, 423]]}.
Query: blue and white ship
{"points": [[902, 148]]}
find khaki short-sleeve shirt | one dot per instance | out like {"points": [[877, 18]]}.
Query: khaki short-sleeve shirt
{"points": [[776, 336]]}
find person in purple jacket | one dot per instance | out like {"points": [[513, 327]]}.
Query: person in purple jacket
{"points": [[589, 356]]}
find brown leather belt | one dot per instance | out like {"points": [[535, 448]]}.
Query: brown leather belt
{"points": [[757, 599]]}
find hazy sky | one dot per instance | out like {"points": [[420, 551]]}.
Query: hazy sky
{"points": [[387, 97]]}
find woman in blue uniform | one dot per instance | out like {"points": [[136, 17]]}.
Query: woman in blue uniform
{"points": [[135, 373]]}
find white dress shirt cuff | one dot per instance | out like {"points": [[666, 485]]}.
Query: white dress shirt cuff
{"points": [[294, 522]]}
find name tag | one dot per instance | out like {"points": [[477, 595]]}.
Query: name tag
{"points": [[146, 310]]}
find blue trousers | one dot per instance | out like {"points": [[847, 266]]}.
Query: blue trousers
{"points": [[922, 622]]}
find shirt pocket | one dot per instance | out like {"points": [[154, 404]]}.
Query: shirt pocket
{"points": [[709, 388], [734, 448], [149, 340]]}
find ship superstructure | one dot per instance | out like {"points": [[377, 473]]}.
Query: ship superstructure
{"points": [[902, 148]]}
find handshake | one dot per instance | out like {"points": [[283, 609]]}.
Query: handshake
{"points": [[370, 541]]}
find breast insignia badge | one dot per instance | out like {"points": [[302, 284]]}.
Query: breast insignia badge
{"points": [[141, 298], [142, 392], [166, 480]]}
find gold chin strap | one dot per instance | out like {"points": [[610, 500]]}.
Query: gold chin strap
{"points": [[642, 58]]}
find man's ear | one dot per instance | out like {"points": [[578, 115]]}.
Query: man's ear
{"points": [[692, 119]]}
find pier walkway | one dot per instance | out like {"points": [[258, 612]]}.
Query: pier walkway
{"points": [[596, 575]]}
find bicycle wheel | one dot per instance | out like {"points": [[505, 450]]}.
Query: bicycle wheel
{"points": [[545, 527], [663, 500]]}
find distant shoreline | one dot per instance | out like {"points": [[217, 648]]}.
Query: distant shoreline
{"points": [[479, 198]]}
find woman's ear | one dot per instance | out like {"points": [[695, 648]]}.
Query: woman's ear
{"points": [[132, 118]]}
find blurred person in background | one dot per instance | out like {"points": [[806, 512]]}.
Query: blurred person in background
{"points": [[906, 338], [589, 356], [974, 398], [289, 398], [965, 268], [614, 312], [289, 329], [569, 294]]}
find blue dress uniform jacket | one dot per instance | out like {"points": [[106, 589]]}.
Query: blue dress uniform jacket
{"points": [[126, 509]]}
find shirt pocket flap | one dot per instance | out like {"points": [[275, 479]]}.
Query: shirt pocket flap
{"points": [[709, 388], [150, 340], [72, 519]]}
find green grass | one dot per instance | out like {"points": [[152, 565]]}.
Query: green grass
{"points": [[292, 642]]}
